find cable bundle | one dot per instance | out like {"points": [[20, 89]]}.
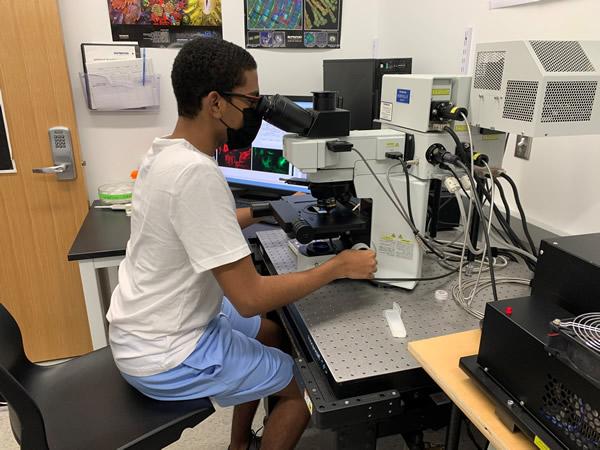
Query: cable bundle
{"points": [[465, 290]]}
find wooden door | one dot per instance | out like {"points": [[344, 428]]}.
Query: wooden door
{"points": [[39, 215]]}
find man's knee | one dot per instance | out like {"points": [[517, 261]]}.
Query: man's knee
{"points": [[291, 391], [270, 334]]}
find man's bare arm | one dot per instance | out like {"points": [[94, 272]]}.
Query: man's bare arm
{"points": [[254, 294], [244, 217]]}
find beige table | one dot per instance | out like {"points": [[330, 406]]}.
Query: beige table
{"points": [[439, 357]]}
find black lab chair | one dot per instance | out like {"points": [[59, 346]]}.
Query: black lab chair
{"points": [[84, 403]]}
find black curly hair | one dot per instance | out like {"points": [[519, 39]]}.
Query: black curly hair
{"points": [[204, 65]]}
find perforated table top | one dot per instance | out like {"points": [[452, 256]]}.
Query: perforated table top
{"points": [[346, 322]]}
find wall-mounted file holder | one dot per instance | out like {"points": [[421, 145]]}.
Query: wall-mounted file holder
{"points": [[103, 93]]}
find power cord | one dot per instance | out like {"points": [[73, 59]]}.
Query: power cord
{"points": [[504, 201], [521, 212], [437, 277]]}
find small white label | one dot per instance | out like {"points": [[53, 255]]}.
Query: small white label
{"points": [[386, 111], [466, 52], [308, 401]]}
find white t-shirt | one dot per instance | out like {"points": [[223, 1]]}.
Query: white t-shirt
{"points": [[183, 224]]}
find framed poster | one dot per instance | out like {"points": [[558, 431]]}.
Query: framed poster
{"points": [[306, 24], [164, 23]]}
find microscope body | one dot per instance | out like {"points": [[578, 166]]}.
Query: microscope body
{"points": [[348, 202]]}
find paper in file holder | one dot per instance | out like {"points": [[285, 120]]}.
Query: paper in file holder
{"points": [[102, 93]]}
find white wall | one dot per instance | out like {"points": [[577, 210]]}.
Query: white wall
{"points": [[558, 191], [558, 184], [114, 143]]}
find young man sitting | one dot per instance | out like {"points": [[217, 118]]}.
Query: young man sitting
{"points": [[173, 335]]}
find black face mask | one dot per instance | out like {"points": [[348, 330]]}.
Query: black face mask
{"points": [[243, 137]]}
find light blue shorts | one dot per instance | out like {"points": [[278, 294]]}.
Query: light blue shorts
{"points": [[228, 365]]}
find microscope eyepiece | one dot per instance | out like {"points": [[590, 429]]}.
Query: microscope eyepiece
{"points": [[283, 113], [326, 122]]}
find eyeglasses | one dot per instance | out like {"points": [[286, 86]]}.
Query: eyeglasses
{"points": [[253, 99]]}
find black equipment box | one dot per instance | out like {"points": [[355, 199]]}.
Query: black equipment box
{"points": [[568, 272], [538, 379], [358, 83]]}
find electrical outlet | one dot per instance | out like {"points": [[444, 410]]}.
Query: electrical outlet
{"points": [[523, 147]]}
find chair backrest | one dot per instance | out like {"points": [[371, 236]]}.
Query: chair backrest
{"points": [[25, 417]]}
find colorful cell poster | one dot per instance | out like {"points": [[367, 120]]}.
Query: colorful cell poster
{"points": [[293, 23], [164, 23]]}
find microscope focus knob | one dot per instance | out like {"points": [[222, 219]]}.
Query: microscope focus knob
{"points": [[303, 231]]}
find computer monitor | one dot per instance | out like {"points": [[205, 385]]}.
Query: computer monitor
{"points": [[262, 166]]}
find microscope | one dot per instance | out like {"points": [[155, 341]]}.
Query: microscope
{"points": [[360, 180], [353, 177]]}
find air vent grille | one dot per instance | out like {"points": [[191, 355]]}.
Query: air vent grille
{"points": [[571, 414], [489, 70], [569, 101], [562, 56], [519, 103]]}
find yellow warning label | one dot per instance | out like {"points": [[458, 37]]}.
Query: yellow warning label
{"points": [[541, 444], [392, 144], [395, 245], [460, 128], [440, 92], [491, 137]]}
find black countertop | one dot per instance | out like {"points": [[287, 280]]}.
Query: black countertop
{"points": [[105, 233]]}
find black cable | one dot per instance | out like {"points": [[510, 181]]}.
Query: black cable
{"points": [[408, 202], [500, 233], [505, 222], [504, 201], [438, 277], [452, 133], [512, 236], [521, 212], [512, 239], [507, 228], [485, 231]]}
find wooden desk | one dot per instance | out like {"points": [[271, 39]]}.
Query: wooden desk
{"points": [[439, 357]]}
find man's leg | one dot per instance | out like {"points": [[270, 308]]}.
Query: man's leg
{"points": [[269, 334], [241, 425], [287, 421]]}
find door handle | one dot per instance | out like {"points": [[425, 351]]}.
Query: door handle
{"points": [[59, 168], [62, 155]]}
